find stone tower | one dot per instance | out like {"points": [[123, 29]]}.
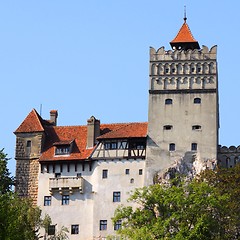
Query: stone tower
{"points": [[183, 105]]}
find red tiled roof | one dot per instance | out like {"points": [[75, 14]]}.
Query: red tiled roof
{"points": [[67, 134], [32, 123], [130, 130], [184, 35]]}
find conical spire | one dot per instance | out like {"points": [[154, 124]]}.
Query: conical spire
{"points": [[184, 39]]}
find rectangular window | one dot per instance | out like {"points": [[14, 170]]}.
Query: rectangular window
{"points": [[117, 225], [62, 150], [75, 229], [140, 172], [104, 173], [47, 200], [51, 230], [103, 225], [65, 199], [172, 147], [194, 147], [110, 145], [116, 196], [127, 171]]}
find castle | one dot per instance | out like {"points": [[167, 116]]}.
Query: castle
{"points": [[80, 174]]}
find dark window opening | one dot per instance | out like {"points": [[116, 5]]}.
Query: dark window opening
{"points": [[168, 101], [196, 127], [194, 147], [51, 230], [75, 229], [197, 100], [167, 127], [140, 172], [79, 175], [110, 145], [172, 147], [62, 150], [127, 171], [29, 144], [104, 173], [137, 145], [57, 175]]}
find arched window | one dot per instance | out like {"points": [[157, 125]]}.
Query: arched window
{"points": [[196, 127], [167, 127], [168, 101], [197, 100]]}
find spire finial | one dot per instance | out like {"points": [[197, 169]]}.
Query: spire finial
{"points": [[185, 14]]}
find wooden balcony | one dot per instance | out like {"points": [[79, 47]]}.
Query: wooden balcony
{"points": [[66, 184]]}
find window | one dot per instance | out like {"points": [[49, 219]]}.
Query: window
{"points": [[51, 230], [167, 127], [117, 225], [194, 147], [57, 175], [197, 100], [168, 101], [103, 225], [132, 180], [75, 229], [172, 147], [62, 150], [65, 199], [137, 145], [199, 69], [127, 171], [167, 70], [110, 145], [104, 173], [28, 145], [79, 175], [116, 196], [196, 127], [140, 171], [47, 200]]}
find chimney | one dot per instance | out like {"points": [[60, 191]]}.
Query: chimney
{"points": [[93, 131], [53, 117]]}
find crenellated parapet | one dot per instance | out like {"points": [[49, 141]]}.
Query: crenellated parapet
{"points": [[179, 69], [228, 156]]}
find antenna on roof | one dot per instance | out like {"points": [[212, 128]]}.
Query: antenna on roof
{"points": [[40, 109], [185, 14]]}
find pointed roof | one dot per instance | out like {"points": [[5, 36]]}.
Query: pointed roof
{"points": [[184, 39], [32, 123]]}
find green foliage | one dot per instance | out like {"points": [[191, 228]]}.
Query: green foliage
{"points": [[6, 181], [191, 211]]}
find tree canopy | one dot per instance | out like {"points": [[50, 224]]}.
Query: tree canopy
{"points": [[208, 207]]}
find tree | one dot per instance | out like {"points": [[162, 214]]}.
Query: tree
{"points": [[191, 211], [226, 181], [19, 219]]}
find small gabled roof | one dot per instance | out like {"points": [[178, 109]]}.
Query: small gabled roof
{"points": [[184, 38], [32, 123], [130, 130]]}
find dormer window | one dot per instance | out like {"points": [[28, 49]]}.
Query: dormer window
{"points": [[63, 148]]}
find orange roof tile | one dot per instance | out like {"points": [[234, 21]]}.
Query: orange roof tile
{"points": [[184, 35], [130, 130], [32, 123]]}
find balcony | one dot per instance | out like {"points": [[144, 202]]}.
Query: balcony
{"points": [[66, 184]]}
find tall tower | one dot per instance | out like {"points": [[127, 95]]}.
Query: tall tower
{"points": [[183, 104]]}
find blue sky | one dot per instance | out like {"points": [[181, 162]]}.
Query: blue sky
{"points": [[87, 58]]}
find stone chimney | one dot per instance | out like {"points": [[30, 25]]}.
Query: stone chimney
{"points": [[93, 131], [53, 117]]}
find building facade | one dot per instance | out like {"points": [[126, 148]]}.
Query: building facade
{"points": [[79, 175]]}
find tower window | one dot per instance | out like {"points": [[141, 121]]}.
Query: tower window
{"points": [[116, 196], [172, 147], [47, 200], [29, 144], [197, 100], [167, 70], [75, 229], [168, 101], [104, 173], [117, 225], [194, 147], [196, 127], [51, 230], [167, 127], [103, 225], [65, 199], [127, 171]]}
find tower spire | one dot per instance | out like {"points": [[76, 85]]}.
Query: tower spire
{"points": [[185, 14]]}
